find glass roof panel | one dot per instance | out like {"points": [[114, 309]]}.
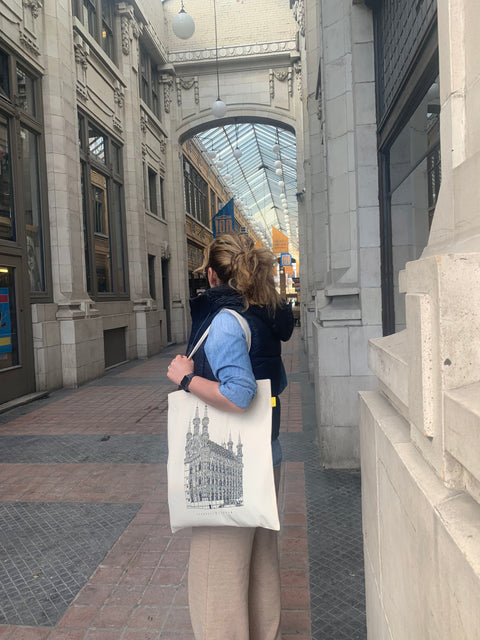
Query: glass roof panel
{"points": [[255, 178]]}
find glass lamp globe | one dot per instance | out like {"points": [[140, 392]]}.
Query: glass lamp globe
{"points": [[228, 177], [278, 172], [219, 108], [212, 154], [183, 25], [281, 184], [278, 164], [237, 153], [276, 148], [219, 164]]}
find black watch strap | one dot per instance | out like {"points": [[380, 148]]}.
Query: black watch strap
{"points": [[186, 381]]}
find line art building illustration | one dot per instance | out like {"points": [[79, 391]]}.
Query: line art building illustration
{"points": [[213, 472]]}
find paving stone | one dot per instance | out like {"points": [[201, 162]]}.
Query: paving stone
{"points": [[48, 552]]}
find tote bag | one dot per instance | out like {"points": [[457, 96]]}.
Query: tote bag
{"points": [[220, 470]]}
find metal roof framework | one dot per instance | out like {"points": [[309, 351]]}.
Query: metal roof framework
{"points": [[255, 179]]}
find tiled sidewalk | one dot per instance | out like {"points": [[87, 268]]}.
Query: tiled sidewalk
{"points": [[86, 551]]}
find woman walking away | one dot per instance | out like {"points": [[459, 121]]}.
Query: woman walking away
{"points": [[234, 577]]}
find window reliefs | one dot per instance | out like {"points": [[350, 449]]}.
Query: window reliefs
{"points": [[103, 212]]}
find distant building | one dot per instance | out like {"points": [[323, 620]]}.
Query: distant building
{"points": [[213, 472]]}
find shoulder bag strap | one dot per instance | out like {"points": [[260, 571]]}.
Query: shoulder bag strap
{"points": [[243, 323]]}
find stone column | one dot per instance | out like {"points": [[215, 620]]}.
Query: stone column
{"points": [[80, 330], [420, 436]]}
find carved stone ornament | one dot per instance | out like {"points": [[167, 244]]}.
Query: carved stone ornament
{"points": [[281, 76], [29, 43], [34, 6], [245, 50], [119, 95], [143, 122], [129, 25], [167, 82], [297, 67], [299, 15], [165, 250], [187, 84], [163, 145]]}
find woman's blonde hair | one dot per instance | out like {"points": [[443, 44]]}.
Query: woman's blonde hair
{"points": [[246, 268]]}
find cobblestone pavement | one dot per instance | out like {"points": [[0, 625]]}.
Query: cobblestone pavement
{"points": [[86, 551]]}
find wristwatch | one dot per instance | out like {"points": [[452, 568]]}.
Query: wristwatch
{"points": [[186, 381]]}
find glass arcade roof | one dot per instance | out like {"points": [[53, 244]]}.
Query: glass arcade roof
{"points": [[263, 179]]}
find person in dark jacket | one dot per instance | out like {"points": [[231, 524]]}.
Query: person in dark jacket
{"points": [[234, 577]]}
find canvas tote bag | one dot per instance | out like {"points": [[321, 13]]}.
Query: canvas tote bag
{"points": [[220, 470]]}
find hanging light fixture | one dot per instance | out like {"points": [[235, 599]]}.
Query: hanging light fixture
{"points": [[281, 184], [219, 164], [278, 164], [237, 152], [278, 172], [276, 148], [219, 108], [183, 25]]}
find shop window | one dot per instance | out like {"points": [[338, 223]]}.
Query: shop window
{"points": [[414, 176], [103, 211], [23, 206], [149, 82], [98, 17]]}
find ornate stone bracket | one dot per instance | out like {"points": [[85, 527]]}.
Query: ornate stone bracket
{"points": [[82, 52], [34, 6], [167, 82], [29, 42], [297, 67], [143, 122], [187, 84], [130, 27], [163, 145], [299, 15]]}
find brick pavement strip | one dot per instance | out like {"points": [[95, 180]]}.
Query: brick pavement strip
{"points": [[137, 589]]}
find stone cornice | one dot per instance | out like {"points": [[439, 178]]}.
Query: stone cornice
{"points": [[239, 51]]}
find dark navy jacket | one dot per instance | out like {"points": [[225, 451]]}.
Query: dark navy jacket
{"points": [[267, 329]]}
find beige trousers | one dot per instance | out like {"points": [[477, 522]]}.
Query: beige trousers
{"points": [[234, 583]]}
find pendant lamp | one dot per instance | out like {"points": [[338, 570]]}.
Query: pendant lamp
{"points": [[183, 25]]}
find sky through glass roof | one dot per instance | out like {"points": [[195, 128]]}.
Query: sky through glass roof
{"points": [[264, 178]]}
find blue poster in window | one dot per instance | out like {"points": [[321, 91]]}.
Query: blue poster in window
{"points": [[5, 324]]}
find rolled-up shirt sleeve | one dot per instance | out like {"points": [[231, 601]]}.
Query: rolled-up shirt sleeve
{"points": [[227, 353]]}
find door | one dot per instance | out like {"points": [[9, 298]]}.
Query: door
{"points": [[17, 376]]}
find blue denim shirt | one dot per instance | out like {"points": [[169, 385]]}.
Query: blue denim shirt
{"points": [[227, 352]]}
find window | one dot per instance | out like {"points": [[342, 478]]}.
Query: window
{"points": [[162, 198], [97, 16], [149, 82], [152, 191], [103, 211], [22, 169], [414, 175], [151, 276], [196, 190]]}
